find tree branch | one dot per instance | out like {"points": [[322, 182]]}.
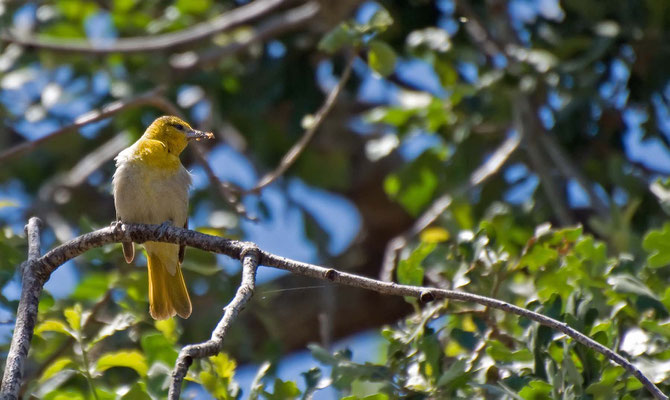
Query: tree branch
{"points": [[556, 199], [292, 155], [277, 25], [26, 315], [166, 41], [250, 258], [39, 269], [89, 117]]}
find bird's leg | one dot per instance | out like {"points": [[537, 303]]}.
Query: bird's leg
{"points": [[116, 226], [163, 228]]}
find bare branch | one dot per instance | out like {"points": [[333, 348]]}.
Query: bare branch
{"points": [[569, 170], [292, 155], [480, 175], [250, 258], [492, 46], [40, 269], [226, 192], [556, 199], [166, 41], [26, 315], [275, 26], [89, 117]]}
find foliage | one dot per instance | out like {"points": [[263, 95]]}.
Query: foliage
{"points": [[571, 224]]}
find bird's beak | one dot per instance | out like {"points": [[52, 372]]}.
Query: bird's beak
{"points": [[197, 135]]}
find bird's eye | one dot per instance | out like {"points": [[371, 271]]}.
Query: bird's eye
{"points": [[179, 127]]}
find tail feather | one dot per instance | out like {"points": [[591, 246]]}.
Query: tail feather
{"points": [[167, 293], [128, 251]]}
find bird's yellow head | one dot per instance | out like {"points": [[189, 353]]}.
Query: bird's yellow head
{"points": [[174, 133]]}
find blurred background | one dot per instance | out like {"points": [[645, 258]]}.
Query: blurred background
{"points": [[522, 112]]}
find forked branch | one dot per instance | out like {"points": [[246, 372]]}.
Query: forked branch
{"points": [[38, 270]]}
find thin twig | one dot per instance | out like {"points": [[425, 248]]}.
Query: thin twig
{"points": [[26, 314], [140, 233], [250, 257], [292, 155], [274, 26], [224, 191], [89, 117], [492, 46], [437, 208], [569, 170], [144, 44], [538, 160]]}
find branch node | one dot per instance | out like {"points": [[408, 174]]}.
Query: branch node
{"points": [[249, 249], [426, 296], [37, 223], [330, 274]]}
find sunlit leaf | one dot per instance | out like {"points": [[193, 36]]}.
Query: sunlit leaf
{"points": [[129, 359], [657, 243], [381, 57], [168, 327], [53, 325], [434, 234], [73, 317], [410, 271], [55, 367]]}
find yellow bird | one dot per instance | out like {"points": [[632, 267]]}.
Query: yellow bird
{"points": [[150, 186]]}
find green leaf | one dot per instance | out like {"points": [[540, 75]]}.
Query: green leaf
{"points": [[536, 390], [193, 6], [224, 366], [538, 257], [92, 287], [626, 283], [456, 370], [378, 396], [283, 390], [53, 325], [414, 186], [381, 20], [123, 6], [73, 317], [500, 352], [381, 58], [341, 36], [129, 359], [657, 243], [409, 270], [157, 348], [168, 327], [137, 392], [119, 323], [55, 367]]}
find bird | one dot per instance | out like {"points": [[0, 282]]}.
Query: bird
{"points": [[150, 186]]}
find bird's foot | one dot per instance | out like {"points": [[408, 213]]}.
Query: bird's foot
{"points": [[116, 226], [162, 231]]}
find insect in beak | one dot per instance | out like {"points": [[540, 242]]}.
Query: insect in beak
{"points": [[197, 135]]}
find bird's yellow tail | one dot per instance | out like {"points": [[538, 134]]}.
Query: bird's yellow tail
{"points": [[167, 293]]}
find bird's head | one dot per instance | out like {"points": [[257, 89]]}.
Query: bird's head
{"points": [[174, 133]]}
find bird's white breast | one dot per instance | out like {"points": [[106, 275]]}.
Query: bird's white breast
{"points": [[146, 194]]}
